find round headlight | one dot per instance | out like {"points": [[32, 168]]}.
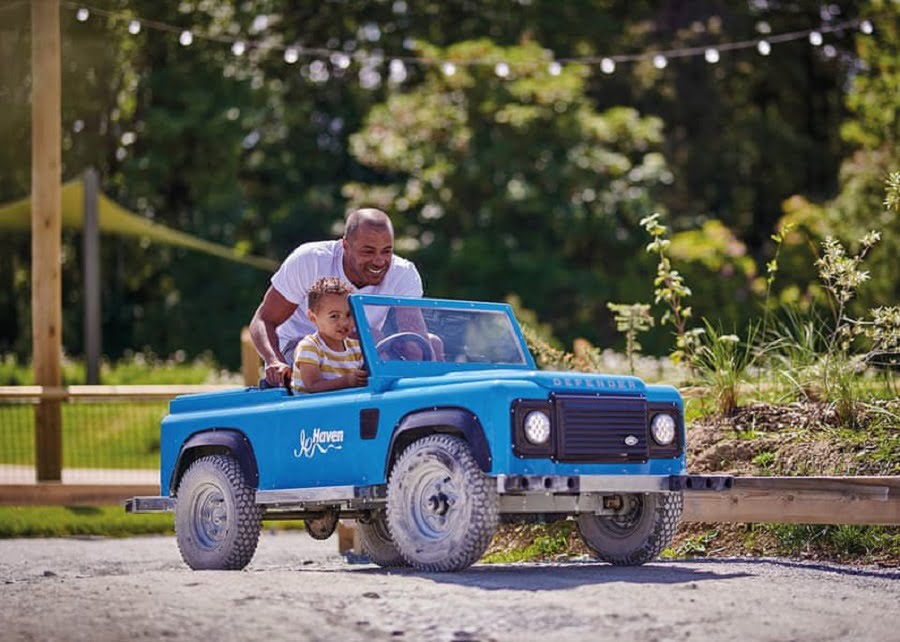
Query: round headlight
{"points": [[537, 427], [663, 429]]}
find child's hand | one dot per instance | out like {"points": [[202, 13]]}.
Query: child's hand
{"points": [[356, 378]]}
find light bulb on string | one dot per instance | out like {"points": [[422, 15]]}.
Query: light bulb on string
{"points": [[291, 55], [866, 27], [134, 27], [186, 38], [448, 68], [555, 68], [501, 69], [82, 14], [711, 55], [340, 60], [763, 47], [238, 48], [659, 61], [607, 65], [829, 51], [815, 38]]}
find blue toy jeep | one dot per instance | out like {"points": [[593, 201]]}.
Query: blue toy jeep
{"points": [[432, 453]]}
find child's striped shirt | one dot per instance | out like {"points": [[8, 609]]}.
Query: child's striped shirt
{"points": [[331, 364]]}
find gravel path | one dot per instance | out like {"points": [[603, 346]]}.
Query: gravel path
{"points": [[297, 588]]}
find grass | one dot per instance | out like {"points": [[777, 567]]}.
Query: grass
{"points": [[101, 521], [137, 368], [68, 521], [95, 434]]}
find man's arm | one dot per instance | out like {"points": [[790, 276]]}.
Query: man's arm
{"points": [[271, 313]]}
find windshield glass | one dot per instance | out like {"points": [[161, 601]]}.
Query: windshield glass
{"points": [[453, 335]]}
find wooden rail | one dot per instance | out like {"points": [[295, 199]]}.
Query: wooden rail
{"points": [[799, 500]]}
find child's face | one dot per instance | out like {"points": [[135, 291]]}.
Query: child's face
{"points": [[333, 318]]}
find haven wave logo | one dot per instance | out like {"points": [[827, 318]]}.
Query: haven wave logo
{"points": [[319, 442]]}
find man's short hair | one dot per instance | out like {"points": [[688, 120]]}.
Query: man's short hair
{"points": [[366, 217], [324, 286]]}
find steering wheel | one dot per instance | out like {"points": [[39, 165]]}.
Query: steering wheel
{"points": [[388, 347]]}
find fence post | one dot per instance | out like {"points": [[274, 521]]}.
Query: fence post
{"points": [[249, 359], [46, 233], [91, 251]]}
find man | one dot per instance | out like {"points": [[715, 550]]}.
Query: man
{"points": [[364, 257]]}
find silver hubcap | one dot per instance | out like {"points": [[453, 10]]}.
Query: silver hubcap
{"points": [[435, 501], [210, 516]]}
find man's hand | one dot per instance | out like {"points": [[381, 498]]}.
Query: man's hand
{"points": [[277, 372], [357, 378]]}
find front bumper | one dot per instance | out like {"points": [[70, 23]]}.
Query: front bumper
{"points": [[579, 484]]}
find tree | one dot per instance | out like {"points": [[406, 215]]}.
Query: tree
{"points": [[514, 185]]}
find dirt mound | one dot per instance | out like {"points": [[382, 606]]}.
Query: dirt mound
{"points": [[760, 439]]}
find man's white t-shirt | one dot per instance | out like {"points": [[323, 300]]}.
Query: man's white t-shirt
{"points": [[312, 261]]}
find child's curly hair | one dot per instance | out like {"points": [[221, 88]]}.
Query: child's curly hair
{"points": [[326, 285]]}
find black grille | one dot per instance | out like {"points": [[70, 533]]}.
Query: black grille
{"points": [[598, 429]]}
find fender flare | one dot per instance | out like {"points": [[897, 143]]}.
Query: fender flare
{"points": [[216, 440], [447, 420]]}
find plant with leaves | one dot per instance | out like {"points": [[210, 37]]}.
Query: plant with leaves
{"points": [[721, 362], [670, 289], [630, 319]]}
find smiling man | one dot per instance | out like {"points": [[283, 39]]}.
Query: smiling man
{"points": [[364, 257]]}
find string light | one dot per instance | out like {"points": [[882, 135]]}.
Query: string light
{"points": [[341, 61]]}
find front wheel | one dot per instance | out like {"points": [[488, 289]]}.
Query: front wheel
{"points": [[641, 531], [442, 509], [217, 520]]}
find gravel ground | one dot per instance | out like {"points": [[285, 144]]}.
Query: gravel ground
{"points": [[298, 588]]}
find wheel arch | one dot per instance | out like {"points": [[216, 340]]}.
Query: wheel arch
{"points": [[446, 420], [213, 441]]}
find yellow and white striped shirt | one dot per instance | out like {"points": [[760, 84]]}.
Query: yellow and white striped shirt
{"points": [[331, 364]]}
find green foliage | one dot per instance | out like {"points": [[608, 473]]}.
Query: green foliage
{"points": [[845, 540], [721, 362], [670, 289], [696, 545], [631, 319], [71, 521], [140, 368], [470, 161]]}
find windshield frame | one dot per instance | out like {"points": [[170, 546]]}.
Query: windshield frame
{"points": [[381, 368]]}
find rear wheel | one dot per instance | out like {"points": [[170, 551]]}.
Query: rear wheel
{"points": [[377, 543], [638, 534], [442, 509], [217, 520]]}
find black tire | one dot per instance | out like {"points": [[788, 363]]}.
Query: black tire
{"points": [[217, 520], [637, 536], [442, 509], [377, 542]]}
